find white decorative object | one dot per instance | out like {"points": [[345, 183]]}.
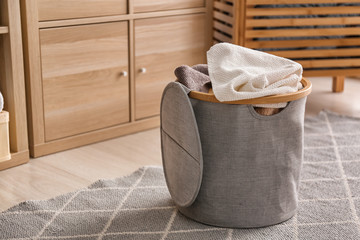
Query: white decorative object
{"points": [[1, 102]]}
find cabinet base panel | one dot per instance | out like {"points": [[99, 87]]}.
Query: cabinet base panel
{"points": [[46, 148], [17, 158]]}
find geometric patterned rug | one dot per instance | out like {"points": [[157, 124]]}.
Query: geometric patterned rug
{"points": [[139, 206]]}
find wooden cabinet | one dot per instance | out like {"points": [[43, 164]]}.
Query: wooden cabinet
{"points": [[161, 5], [84, 77], [99, 72], [12, 84], [68, 9], [162, 44]]}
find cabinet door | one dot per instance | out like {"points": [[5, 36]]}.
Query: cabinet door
{"points": [[67, 9], [84, 85], [161, 5], [161, 45]]}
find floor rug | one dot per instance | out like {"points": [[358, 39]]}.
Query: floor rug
{"points": [[139, 207]]}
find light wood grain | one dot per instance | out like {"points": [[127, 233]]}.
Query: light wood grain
{"points": [[303, 43], [159, 56], [222, 37], [161, 5], [33, 78], [223, 17], [303, 33], [83, 85], [94, 136], [266, 2], [239, 14], [302, 11], [4, 29], [338, 84], [68, 9], [330, 63], [208, 27], [302, 22], [17, 158], [324, 53], [331, 72], [223, 27], [130, 16], [57, 71], [12, 84]]}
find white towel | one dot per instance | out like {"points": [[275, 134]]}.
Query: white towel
{"points": [[1, 102], [241, 73]]}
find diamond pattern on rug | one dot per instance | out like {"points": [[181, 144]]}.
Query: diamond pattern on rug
{"points": [[139, 206]]}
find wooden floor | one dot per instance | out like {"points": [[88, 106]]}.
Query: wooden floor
{"points": [[49, 176]]}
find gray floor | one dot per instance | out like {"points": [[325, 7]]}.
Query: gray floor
{"points": [[59, 173]]}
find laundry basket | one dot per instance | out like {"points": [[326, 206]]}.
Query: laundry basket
{"points": [[225, 164]]}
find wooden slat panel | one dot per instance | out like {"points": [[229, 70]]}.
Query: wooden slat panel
{"points": [[303, 32], [223, 17], [4, 29], [355, 62], [302, 22], [67, 9], [223, 28], [266, 2], [318, 53], [332, 72], [222, 37], [82, 82], [161, 5], [223, 7], [301, 11], [303, 43], [215, 42]]}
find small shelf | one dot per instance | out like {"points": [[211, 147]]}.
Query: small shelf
{"points": [[4, 29]]}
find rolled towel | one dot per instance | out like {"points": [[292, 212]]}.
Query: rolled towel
{"points": [[241, 73], [1, 102], [196, 78]]}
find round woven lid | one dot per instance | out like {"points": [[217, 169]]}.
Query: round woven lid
{"points": [[181, 146]]}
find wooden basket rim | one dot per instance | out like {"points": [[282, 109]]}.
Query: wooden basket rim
{"points": [[306, 90]]}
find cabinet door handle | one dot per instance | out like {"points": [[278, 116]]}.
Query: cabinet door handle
{"points": [[123, 73], [142, 70]]}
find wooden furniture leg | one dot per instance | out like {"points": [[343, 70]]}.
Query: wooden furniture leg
{"points": [[338, 84]]}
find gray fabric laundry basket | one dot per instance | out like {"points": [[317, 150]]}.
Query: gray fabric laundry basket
{"points": [[226, 165]]}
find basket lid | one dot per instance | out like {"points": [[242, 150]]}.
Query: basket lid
{"points": [[306, 90], [181, 146]]}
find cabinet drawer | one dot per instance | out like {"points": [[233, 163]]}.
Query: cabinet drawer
{"points": [[83, 85], [159, 56], [160, 5], [67, 9]]}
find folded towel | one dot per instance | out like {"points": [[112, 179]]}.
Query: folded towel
{"points": [[1, 102], [241, 73], [196, 78]]}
